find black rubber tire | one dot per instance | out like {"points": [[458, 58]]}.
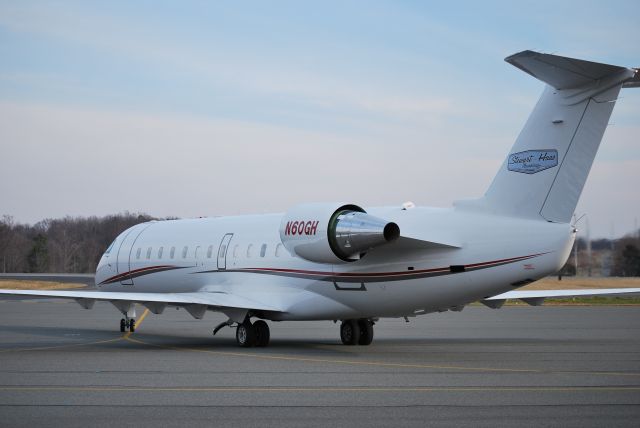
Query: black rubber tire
{"points": [[132, 325], [350, 332], [123, 325], [366, 332], [246, 334], [262, 333]]}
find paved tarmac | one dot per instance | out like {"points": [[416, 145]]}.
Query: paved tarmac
{"points": [[518, 366]]}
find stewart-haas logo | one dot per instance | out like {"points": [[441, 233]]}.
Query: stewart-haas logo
{"points": [[301, 228], [532, 161]]}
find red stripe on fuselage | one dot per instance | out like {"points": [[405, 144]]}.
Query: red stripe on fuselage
{"points": [[134, 272], [390, 274]]}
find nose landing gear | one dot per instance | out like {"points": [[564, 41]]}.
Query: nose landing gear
{"points": [[127, 324]]}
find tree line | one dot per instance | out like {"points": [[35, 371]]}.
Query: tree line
{"points": [[608, 257], [626, 257], [75, 245], [66, 245]]}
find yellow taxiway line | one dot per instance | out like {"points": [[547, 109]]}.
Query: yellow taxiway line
{"points": [[127, 337], [71, 345]]}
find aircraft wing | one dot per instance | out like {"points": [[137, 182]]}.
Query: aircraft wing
{"points": [[536, 297], [196, 303]]}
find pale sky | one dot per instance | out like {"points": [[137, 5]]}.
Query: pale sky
{"points": [[213, 108]]}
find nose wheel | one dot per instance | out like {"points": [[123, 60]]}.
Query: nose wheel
{"points": [[127, 324]]}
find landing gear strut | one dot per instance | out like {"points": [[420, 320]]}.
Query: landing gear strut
{"points": [[256, 334], [356, 332], [127, 323]]}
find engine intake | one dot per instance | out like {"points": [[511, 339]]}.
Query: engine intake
{"points": [[332, 233]]}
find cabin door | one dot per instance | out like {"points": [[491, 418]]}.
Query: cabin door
{"points": [[126, 252], [223, 250]]}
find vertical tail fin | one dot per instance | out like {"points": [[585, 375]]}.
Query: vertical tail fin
{"points": [[547, 167]]}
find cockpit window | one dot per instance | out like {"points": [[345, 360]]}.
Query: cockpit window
{"points": [[116, 241], [110, 247]]}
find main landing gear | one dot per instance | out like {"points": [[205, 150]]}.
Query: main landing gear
{"points": [[356, 332], [352, 332], [256, 334], [127, 324]]}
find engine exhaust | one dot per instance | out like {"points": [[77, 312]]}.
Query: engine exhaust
{"points": [[353, 233]]}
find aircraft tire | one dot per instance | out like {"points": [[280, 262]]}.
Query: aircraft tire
{"points": [[350, 332], [262, 333], [132, 325], [246, 334], [366, 332], [123, 325]]}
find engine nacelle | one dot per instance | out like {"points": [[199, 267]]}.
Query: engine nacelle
{"points": [[333, 233]]}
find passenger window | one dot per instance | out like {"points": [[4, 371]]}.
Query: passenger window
{"points": [[222, 252], [249, 248], [235, 251], [209, 251], [172, 252], [149, 253], [278, 250], [263, 250], [138, 253], [160, 252], [184, 252]]}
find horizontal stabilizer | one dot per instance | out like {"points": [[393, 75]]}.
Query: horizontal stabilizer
{"points": [[565, 73]]}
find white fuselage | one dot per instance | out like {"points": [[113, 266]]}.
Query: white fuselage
{"points": [[244, 256]]}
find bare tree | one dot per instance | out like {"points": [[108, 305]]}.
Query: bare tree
{"points": [[67, 245]]}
